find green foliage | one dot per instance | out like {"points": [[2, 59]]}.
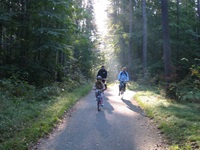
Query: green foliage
{"points": [[16, 87], [187, 89], [47, 92], [38, 38], [69, 84]]}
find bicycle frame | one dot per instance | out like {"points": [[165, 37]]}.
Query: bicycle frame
{"points": [[99, 100]]}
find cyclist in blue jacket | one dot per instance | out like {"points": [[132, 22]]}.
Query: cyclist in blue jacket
{"points": [[123, 77]]}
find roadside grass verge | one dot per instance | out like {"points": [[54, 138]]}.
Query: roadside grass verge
{"points": [[178, 121], [24, 122]]}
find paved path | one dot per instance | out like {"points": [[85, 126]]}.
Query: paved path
{"points": [[121, 125]]}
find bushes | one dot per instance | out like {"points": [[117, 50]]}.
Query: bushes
{"points": [[15, 87], [187, 89], [73, 81], [46, 93]]}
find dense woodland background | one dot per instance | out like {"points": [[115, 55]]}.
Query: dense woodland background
{"points": [[159, 41], [54, 42], [45, 41]]}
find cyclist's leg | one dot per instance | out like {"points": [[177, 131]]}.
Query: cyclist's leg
{"points": [[124, 87], [104, 82], [120, 87]]}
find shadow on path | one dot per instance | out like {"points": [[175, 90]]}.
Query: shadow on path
{"points": [[133, 107], [108, 107], [102, 124]]}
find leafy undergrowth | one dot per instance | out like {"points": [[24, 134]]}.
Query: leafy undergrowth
{"points": [[24, 121], [180, 122]]}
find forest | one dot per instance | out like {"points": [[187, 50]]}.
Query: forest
{"points": [[51, 46], [46, 42], [159, 42]]}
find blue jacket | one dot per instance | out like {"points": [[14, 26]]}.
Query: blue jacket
{"points": [[123, 76]]}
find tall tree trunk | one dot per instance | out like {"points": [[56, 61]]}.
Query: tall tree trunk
{"points": [[1, 37], [177, 29], [130, 32], [56, 60], [198, 11], [23, 48], [144, 39], [198, 8], [166, 39]]}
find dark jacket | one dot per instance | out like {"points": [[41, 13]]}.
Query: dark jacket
{"points": [[102, 73]]}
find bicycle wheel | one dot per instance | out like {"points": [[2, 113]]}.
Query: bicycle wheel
{"points": [[99, 105]]}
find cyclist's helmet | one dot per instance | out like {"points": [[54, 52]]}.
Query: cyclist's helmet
{"points": [[99, 78]]}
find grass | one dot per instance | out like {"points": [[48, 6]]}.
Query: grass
{"points": [[23, 122], [180, 122]]}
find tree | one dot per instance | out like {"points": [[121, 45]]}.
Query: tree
{"points": [[144, 38], [178, 29], [164, 50], [198, 8], [166, 39], [130, 33], [37, 39]]}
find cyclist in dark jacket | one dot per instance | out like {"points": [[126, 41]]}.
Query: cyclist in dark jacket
{"points": [[103, 73]]}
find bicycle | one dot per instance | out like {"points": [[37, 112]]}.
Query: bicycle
{"points": [[99, 100]]}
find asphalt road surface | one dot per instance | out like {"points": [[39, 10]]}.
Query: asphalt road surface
{"points": [[120, 125]]}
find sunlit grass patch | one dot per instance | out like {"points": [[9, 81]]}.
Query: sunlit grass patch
{"points": [[180, 122]]}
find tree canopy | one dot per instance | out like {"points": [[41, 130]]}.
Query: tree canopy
{"points": [[45, 41]]}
